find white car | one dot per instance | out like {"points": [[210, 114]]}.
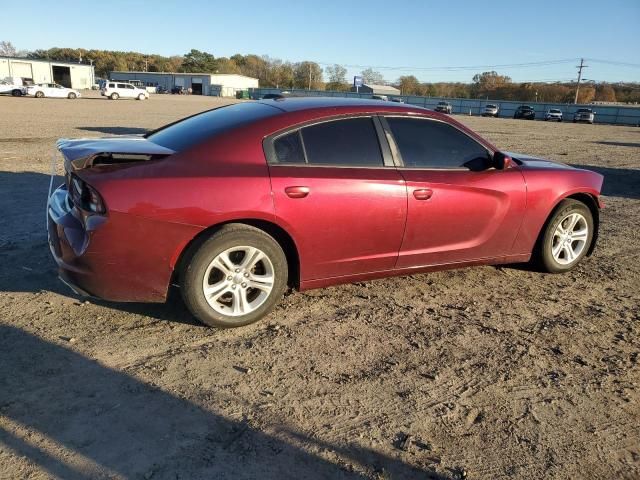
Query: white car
{"points": [[553, 114], [52, 90], [10, 87], [116, 90], [490, 110]]}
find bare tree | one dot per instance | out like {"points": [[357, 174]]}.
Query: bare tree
{"points": [[372, 77], [7, 49]]}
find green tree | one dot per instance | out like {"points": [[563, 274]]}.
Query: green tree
{"points": [[308, 75], [409, 85], [199, 62]]}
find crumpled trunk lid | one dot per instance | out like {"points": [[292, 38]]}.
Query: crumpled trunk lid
{"points": [[83, 153]]}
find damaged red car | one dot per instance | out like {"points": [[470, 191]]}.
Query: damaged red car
{"points": [[235, 204]]}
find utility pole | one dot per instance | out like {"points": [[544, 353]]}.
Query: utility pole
{"points": [[579, 67]]}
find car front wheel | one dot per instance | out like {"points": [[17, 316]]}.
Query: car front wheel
{"points": [[567, 237], [114, 96], [141, 97], [235, 277], [72, 96], [39, 95]]}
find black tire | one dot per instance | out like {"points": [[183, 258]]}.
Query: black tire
{"points": [[16, 93], [71, 96], [39, 94], [198, 260], [543, 254], [114, 96]]}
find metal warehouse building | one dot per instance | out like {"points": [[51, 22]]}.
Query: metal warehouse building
{"points": [[216, 84], [72, 75], [377, 89]]}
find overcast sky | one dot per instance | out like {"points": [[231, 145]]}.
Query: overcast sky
{"points": [[421, 37]]}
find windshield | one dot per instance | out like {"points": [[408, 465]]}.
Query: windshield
{"points": [[584, 110], [196, 129], [491, 106], [553, 110]]}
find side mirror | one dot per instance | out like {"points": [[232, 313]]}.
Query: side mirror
{"points": [[501, 161]]}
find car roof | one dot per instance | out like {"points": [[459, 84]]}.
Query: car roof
{"points": [[296, 104]]}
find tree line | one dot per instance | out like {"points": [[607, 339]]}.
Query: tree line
{"points": [[274, 72]]}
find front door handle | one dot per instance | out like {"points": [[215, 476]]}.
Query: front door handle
{"points": [[423, 193], [297, 192]]}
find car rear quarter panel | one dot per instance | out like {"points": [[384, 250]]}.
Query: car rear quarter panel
{"points": [[546, 188], [156, 208]]}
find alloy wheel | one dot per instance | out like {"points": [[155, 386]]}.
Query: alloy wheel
{"points": [[238, 281], [569, 238]]}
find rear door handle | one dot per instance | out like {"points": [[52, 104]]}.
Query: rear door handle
{"points": [[297, 192], [423, 193]]}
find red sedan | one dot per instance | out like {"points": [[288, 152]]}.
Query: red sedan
{"points": [[237, 203]]}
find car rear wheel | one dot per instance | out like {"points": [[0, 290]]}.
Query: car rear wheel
{"points": [[235, 277], [71, 96], [114, 96], [39, 95], [567, 237], [16, 93]]}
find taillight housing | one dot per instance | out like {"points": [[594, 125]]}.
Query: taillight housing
{"points": [[86, 197]]}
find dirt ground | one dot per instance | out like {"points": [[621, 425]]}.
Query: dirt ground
{"points": [[476, 373]]}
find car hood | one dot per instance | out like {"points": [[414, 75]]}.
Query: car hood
{"points": [[536, 162], [81, 152]]}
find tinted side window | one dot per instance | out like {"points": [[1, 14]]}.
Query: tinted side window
{"points": [[122, 85], [289, 148], [351, 142], [431, 144]]}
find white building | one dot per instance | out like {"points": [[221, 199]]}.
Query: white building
{"points": [[72, 75], [216, 84]]}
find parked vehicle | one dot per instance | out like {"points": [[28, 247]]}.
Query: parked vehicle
{"points": [[553, 114], [178, 90], [230, 206], [12, 86], [52, 90], [444, 107], [584, 115], [396, 99], [490, 110], [384, 98], [525, 112], [272, 96], [114, 90]]}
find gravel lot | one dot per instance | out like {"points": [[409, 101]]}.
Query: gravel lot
{"points": [[477, 373]]}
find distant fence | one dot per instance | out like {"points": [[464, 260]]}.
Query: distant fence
{"points": [[613, 114]]}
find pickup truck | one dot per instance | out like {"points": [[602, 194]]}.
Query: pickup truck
{"points": [[12, 86]]}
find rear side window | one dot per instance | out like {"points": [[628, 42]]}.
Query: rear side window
{"points": [[432, 144], [289, 149], [122, 85], [349, 142]]}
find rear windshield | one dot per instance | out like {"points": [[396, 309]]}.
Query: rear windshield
{"points": [[196, 129], [491, 106], [526, 107], [553, 110], [584, 110]]}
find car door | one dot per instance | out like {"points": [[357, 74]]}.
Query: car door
{"points": [[337, 192], [459, 208]]}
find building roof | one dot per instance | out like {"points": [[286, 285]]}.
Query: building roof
{"points": [[46, 60], [190, 74], [381, 87]]}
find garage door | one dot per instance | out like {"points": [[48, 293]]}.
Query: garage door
{"points": [[21, 69]]}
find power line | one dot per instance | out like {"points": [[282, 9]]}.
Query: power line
{"points": [[458, 67], [613, 62]]}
